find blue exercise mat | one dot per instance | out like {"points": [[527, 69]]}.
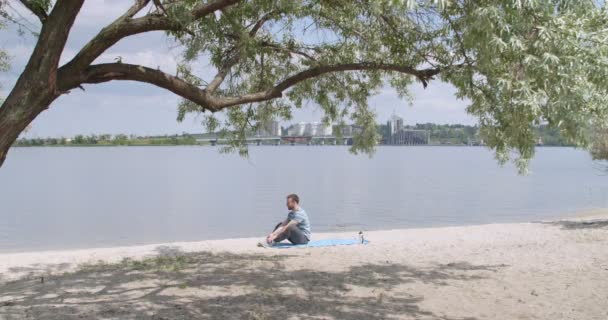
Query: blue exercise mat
{"points": [[320, 243]]}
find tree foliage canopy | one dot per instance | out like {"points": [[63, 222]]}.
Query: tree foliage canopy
{"points": [[520, 63], [4, 58]]}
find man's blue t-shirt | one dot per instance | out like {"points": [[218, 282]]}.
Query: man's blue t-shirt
{"points": [[302, 218]]}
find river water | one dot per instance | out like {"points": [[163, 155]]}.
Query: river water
{"points": [[59, 198]]}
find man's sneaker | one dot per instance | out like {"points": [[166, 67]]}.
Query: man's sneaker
{"points": [[266, 245]]}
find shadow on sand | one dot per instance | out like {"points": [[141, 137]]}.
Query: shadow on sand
{"points": [[203, 285], [577, 225]]}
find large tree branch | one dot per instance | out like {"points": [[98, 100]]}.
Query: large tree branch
{"points": [[223, 71], [127, 26], [36, 9], [423, 75], [105, 72], [44, 60], [159, 5], [121, 71]]}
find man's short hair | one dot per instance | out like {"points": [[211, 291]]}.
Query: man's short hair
{"points": [[294, 197]]}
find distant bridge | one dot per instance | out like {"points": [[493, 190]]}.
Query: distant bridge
{"points": [[277, 140]]}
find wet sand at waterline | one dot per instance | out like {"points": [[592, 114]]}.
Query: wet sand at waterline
{"points": [[548, 270]]}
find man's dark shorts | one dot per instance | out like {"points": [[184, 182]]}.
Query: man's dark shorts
{"points": [[294, 235]]}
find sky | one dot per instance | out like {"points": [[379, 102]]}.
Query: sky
{"points": [[142, 109]]}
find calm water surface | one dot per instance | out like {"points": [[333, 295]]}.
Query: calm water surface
{"points": [[52, 198]]}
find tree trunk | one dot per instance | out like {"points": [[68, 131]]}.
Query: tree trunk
{"points": [[36, 87], [18, 111]]}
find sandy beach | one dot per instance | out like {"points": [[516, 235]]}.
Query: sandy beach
{"points": [[549, 270]]}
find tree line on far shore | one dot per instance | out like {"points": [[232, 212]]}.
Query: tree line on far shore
{"points": [[109, 140], [459, 134], [440, 134]]}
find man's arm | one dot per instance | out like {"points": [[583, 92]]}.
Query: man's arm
{"points": [[290, 223], [280, 230]]}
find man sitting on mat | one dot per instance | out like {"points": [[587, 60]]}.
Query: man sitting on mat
{"points": [[296, 228]]}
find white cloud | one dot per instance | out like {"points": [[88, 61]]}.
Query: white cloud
{"points": [[436, 104], [97, 112], [98, 13], [19, 54]]}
